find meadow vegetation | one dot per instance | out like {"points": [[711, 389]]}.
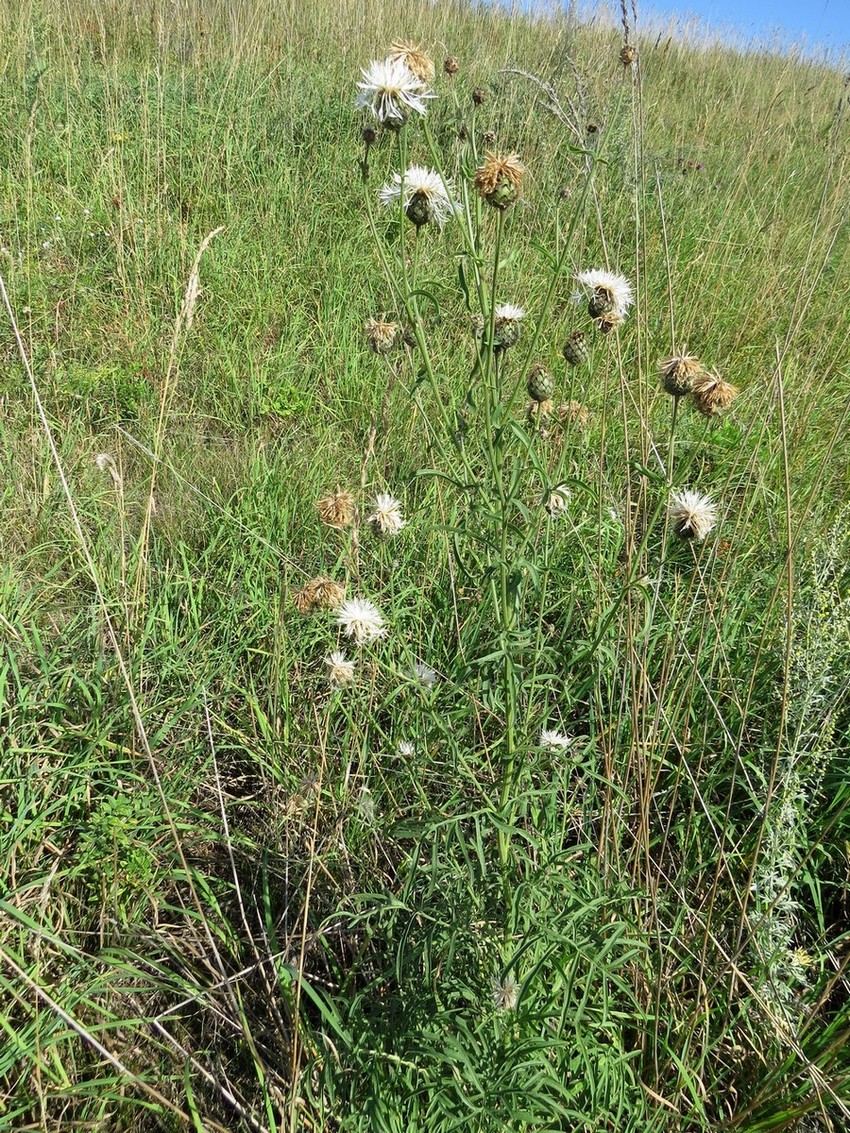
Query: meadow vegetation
{"points": [[507, 788]]}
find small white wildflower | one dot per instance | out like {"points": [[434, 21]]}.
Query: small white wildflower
{"points": [[558, 501], [45, 245], [424, 195], [506, 993], [405, 749], [361, 620], [386, 519], [610, 294], [58, 218], [552, 740], [424, 674], [509, 312], [693, 515], [366, 806], [391, 91], [340, 669]]}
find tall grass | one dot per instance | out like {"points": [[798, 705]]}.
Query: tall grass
{"points": [[235, 897]]}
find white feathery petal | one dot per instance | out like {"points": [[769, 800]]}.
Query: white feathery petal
{"points": [[405, 749], [386, 519], [558, 501], [424, 674], [693, 515], [506, 993], [553, 740], [617, 286], [509, 312], [361, 619], [340, 669], [391, 90], [418, 179]]}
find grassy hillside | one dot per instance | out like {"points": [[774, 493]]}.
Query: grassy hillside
{"points": [[564, 846]]}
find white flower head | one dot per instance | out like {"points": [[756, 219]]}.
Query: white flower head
{"points": [[693, 515], [612, 294], [386, 519], [340, 669], [551, 740], [361, 620], [424, 195], [424, 674], [405, 749], [558, 501], [391, 91], [506, 993], [509, 313]]}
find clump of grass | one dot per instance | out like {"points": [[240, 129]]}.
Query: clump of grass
{"points": [[409, 718]]}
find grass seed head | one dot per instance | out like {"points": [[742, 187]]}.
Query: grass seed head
{"points": [[628, 54], [479, 95], [414, 58], [712, 395], [499, 180], [451, 65], [337, 509]]}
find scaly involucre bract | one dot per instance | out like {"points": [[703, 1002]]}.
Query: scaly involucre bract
{"points": [[391, 91]]}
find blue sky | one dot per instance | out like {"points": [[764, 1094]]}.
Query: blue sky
{"points": [[817, 23]]}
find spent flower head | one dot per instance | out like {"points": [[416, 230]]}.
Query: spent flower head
{"points": [[499, 180], [340, 669], [319, 594], [361, 619], [386, 520], [336, 509], [391, 91], [678, 373], [424, 195], [381, 336], [414, 58], [610, 295], [712, 395], [693, 515]]}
